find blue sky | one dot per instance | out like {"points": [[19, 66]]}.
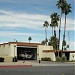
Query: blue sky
{"points": [[20, 19]]}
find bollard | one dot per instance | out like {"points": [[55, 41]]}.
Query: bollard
{"points": [[39, 60]]}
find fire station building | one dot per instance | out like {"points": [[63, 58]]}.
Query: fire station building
{"points": [[32, 51]]}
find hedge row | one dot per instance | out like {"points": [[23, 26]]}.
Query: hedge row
{"points": [[62, 59], [46, 59], [58, 59]]}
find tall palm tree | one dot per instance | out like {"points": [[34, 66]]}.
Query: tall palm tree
{"points": [[66, 11], [60, 6], [43, 42], [53, 42], [52, 28], [29, 39], [46, 24], [54, 21]]}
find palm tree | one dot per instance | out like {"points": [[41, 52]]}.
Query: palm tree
{"points": [[60, 6], [46, 24], [64, 43], [54, 21], [53, 41], [29, 39], [43, 42], [52, 28], [66, 11]]}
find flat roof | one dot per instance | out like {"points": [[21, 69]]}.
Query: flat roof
{"points": [[23, 44], [64, 51]]}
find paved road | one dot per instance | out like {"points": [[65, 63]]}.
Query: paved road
{"points": [[39, 70]]}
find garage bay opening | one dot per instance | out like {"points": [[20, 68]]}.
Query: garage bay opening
{"points": [[30, 53]]}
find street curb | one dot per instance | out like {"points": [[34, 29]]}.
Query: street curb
{"points": [[16, 66]]}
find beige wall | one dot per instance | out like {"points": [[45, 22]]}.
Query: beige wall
{"points": [[72, 56], [5, 50], [8, 50], [1, 50], [45, 54], [13, 50]]}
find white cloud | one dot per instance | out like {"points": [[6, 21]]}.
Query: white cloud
{"points": [[69, 24], [72, 45], [27, 1], [3, 42], [23, 37], [11, 1], [12, 19], [25, 20], [13, 33]]}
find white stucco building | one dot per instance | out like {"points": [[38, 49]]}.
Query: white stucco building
{"points": [[15, 49], [72, 56]]}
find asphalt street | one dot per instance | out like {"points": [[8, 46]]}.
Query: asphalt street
{"points": [[39, 70]]}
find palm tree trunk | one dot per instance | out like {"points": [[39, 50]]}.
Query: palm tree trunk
{"points": [[52, 31], [60, 30], [64, 31], [46, 35], [65, 27]]}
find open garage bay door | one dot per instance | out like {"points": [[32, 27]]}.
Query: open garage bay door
{"points": [[31, 53]]}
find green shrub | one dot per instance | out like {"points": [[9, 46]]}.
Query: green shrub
{"points": [[63, 58], [72, 61], [46, 59], [58, 59]]}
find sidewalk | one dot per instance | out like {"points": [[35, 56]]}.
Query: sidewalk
{"points": [[18, 64], [30, 63]]}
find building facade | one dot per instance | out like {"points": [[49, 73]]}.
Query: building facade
{"points": [[34, 51]]}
